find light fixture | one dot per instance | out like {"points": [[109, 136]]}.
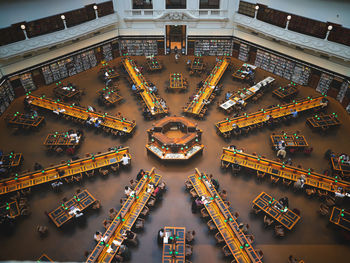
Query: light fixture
{"points": [[330, 28], [63, 17], [256, 7], [23, 27], [289, 17], [95, 7]]}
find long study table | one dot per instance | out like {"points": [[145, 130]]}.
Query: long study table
{"points": [[241, 249], [59, 171], [109, 121], [340, 217], [281, 170], [151, 100], [64, 212], [113, 238], [263, 115], [208, 87], [24, 120], [291, 141], [241, 73], [60, 139], [287, 92], [323, 121], [174, 245], [270, 206]]}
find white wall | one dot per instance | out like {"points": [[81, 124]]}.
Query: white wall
{"points": [[336, 11], [14, 11]]}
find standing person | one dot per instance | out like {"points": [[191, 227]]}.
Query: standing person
{"points": [[177, 57], [176, 50]]}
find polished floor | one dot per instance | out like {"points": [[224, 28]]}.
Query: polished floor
{"points": [[313, 239]]}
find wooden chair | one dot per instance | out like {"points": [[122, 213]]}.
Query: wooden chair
{"points": [[140, 224], [227, 252], [250, 238], [279, 231], [211, 225], [190, 236], [324, 209], [103, 172], [260, 175], [274, 179], [188, 185], [204, 213], [256, 210], [286, 182], [268, 221], [151, 202], [260, 253], [188, 250], [132, 241], [193, 193], [219, 238], [310, 192], [115, 167]]}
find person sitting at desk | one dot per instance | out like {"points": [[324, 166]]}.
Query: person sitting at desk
{"points": [[106, 74], [133, 87], [324, 102], [282, 150], [140, 174], [188, 62], [98, 236], [123, 254], [38, 166], [284, 201], [294, 113], [160, 236], [300, 182], [128, 190], [215, 183], [228, 95], [125, 160], [243, 227]]}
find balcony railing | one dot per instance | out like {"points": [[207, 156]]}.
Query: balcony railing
{"points": [[291, 37], [51, 39]]}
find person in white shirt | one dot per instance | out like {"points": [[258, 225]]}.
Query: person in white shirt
{"points": [[125, 160], [98, 236], [127, 190], [106, 74]]}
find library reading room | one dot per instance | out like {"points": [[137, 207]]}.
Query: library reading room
{"points": [[175, 131]]}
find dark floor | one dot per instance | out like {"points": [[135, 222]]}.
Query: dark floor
{"points": [[312, 239]]}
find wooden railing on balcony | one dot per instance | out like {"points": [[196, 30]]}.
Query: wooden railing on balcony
{"points": [[53, 23]]}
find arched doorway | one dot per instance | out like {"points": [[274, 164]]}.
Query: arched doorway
{"points": [[175, 37]]}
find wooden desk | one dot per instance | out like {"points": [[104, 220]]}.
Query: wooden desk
{"points": [[196, 105], [174, 250], [112, 73], [241, 73], [291, 141], [340, 167], [235, 239], [24, 120], [340, 217], [176, 82], [10, 209], [153, 64], [288, 172], [151, 100], [62, 215], [44, 258], [70, 168], [60, 139], [11, 160], [124, 220], [197, 64], [66, 92], [109, 95], [323, 121], [263, 115], [287, 92], [268, 204], [109, 121]]}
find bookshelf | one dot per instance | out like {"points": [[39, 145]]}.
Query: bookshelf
{"points": [[213, 47], [343, 90], [244, 52], [324, 83], [27, 82], [6, 96], [107, 52], [47, 74], [139, 47]]}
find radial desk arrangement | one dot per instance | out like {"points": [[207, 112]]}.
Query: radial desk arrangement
{"points": [[121, 125], [312, 179], [239, 245], [260, 117], [112, 239], [196, 105], [62, 170], [174, 138], [151, 100], [174, 245], [64, 212]]}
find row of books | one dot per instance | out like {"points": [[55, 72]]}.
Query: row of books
{"points": [[244, 52], [6, 96], [213, 47], [324, 83], [139, 47], [27, 82]]}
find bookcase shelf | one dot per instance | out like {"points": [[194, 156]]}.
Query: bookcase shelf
{"points": [[213, 47], [139, 47]]}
